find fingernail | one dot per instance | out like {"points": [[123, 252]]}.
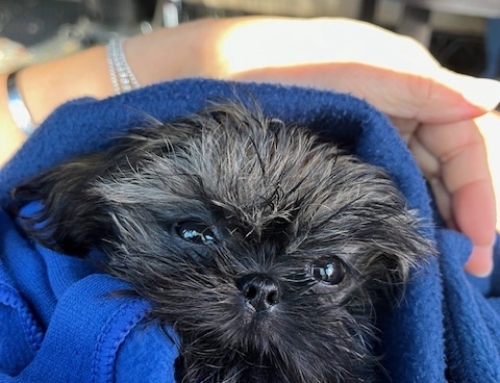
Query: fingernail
{"points": [[480, 263]]}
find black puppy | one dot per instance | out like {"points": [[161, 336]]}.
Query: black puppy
{"points": [[263, 245]]}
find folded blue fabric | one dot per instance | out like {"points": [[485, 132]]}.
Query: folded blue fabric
{"points": [[58, 322]]}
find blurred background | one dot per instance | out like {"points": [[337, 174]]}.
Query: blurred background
{"points": [[461, 34]]}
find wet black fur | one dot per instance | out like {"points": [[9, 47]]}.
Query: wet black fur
{"points": [[279, 202]]}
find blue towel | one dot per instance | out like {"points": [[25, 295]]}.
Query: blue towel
{"points": [[58, 323]]}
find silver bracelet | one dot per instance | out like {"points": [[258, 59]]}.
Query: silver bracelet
{"points": [[17, 107], [122, 77]]}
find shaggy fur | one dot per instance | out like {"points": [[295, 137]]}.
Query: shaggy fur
{"points": [[264, 245]]}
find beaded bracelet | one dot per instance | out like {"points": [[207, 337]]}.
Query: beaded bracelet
{"points": [[122, 77], [17, 106]]}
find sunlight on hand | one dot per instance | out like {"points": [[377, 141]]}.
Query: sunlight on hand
{"points": [[252, 44]]}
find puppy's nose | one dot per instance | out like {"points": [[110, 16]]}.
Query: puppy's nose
{"points": [[260, 292]]}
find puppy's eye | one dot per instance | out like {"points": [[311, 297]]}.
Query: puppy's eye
{"points": [[195, 232], [331, 271]]}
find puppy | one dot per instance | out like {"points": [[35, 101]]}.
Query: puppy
{"points": [[265, 246]]}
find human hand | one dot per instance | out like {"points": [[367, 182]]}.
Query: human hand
{"points": [[433, 108]]}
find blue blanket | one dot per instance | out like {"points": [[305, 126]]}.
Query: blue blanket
{"points": [[58, 324]]}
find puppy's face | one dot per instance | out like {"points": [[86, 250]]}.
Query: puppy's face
{"points": [[265, 246]]}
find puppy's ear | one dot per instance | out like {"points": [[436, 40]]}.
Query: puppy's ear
{"points": [[70, 216], [75, 215], [401, 246]]}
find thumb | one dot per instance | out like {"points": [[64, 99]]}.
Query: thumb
{"points": [[435, 96], [447, 97]]}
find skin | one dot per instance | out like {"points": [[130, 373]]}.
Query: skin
{"points": [[434, 109]]}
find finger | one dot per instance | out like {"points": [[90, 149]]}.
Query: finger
{"points": [[475, 218], [463, 168], [430, 166], [405, 127]]}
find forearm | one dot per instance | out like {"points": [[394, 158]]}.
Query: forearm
{"points": [[163, 55], [46, 86]]}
